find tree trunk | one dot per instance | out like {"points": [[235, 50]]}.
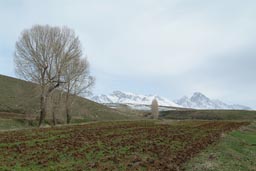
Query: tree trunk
{"points": [[43, 101], [68, 115], [67, 110], [56, 105], [53, 118], [67, 105]]}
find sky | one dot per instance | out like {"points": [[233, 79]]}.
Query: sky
{"points": [[169, 48]]}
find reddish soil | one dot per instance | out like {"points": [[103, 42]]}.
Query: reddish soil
{"points": [[110, 146]]}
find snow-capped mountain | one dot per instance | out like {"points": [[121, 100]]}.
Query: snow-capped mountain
{"points": [[200, 101], [196, 101], [131, 98]]}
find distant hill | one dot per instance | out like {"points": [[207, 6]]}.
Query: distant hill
{"points": [[22, 97]]}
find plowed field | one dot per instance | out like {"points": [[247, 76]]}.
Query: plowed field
{"points": [[140, 145]]}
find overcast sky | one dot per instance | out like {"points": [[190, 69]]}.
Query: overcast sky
{"points": [[169, 48]]}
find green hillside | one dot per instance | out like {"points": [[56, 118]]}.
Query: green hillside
{"points": [[20, 98], [209, 114]]}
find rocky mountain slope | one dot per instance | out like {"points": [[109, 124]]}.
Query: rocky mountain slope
{"points": [[200, 101], [131, 98], [196, 101]]}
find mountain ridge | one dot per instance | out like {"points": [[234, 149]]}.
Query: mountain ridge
{"points": [[196, 101], [200, 101], [131, 98]]}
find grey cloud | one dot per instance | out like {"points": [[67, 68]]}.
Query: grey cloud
{"points": [[170, 48]]}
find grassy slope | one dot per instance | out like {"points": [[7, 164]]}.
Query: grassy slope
{"points": [[10, 124], [209, 114], [18, 96], [236, 151]]}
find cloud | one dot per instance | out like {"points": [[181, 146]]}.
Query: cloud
{"points": [[150, 46]]}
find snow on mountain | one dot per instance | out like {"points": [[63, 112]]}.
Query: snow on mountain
{"points": [[200, 101], [102, 99], [131, 98], [196, 101]]}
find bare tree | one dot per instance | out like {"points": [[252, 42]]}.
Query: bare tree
{"points": [[154, 109], [78, 82], [42, 55]]}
